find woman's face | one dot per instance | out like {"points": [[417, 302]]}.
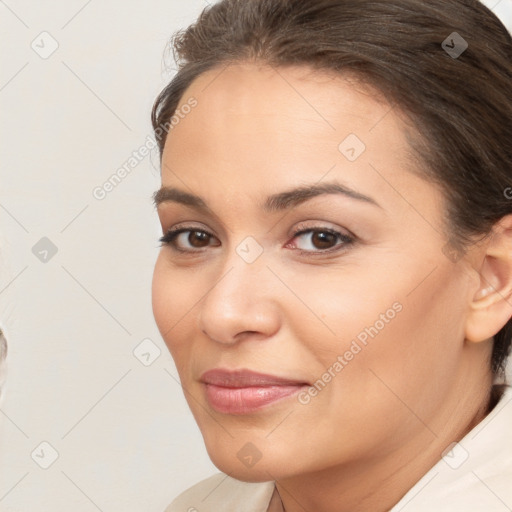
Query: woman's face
{"points": [[357, 321]]}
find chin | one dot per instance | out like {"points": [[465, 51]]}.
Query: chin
{"points": [[255, 474], [244, 464]]}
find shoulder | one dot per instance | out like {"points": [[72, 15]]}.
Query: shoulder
{"points": [[220, 493]]}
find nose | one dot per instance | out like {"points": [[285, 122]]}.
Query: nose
{"points": [[242, 302]]}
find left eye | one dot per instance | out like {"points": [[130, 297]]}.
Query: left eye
{"points": [[322, 240]]}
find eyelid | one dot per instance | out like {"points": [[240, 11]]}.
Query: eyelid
{"points": [[320, 226]]}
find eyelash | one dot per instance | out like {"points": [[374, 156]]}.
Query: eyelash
{"points": [[169, 239]]}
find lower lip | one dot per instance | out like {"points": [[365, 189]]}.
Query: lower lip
{"points": [[247, 400]]}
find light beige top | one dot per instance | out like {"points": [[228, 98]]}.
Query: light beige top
{"points": [[476, 475]]}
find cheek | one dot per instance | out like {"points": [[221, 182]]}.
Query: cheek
{"points": [[172, 301], [415, 354], [398, 324], [395, 343], [161, 296], [343, 304]]}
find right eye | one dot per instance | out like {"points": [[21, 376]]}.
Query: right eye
{"points": [[187, 239]]}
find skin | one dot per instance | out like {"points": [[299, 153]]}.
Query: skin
{"points": [[420, 384]]}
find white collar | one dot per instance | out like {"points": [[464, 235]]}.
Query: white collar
{"points": [[475, 475]]}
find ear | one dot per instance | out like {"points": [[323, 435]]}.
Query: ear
{"points": [[491, 306]]}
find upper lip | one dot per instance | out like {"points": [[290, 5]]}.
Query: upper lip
{"points": [[245, 378]]}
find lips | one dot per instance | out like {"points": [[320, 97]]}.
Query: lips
{"points": [[245, 391], [245, 378]]}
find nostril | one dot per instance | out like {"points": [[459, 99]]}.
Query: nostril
{"points": [[210, 337], [232, 339]]}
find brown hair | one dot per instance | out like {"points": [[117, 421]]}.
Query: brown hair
{"points": [[460, 103]]}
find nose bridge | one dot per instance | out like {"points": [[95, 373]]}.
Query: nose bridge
{"points": [[240, 298], [244, 269]]}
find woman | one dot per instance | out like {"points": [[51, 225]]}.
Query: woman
{"points": [[335, 277]]}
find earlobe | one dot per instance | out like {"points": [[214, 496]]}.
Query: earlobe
{"points": [[490, 307]]}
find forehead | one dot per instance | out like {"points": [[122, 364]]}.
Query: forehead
{"points": [[263, 129], [291, 93], [294, 110]]}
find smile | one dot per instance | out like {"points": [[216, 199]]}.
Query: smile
{"points": [[244, 391]]}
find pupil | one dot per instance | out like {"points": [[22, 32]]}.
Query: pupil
{"points": [[323, 240]]}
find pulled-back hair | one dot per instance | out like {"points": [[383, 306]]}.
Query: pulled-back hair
{"points": [[460, 104]]}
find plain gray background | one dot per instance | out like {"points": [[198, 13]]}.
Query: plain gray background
{"points": [[85, 424]]}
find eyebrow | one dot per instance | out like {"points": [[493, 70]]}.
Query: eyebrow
{"points": [[274, 203]]}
